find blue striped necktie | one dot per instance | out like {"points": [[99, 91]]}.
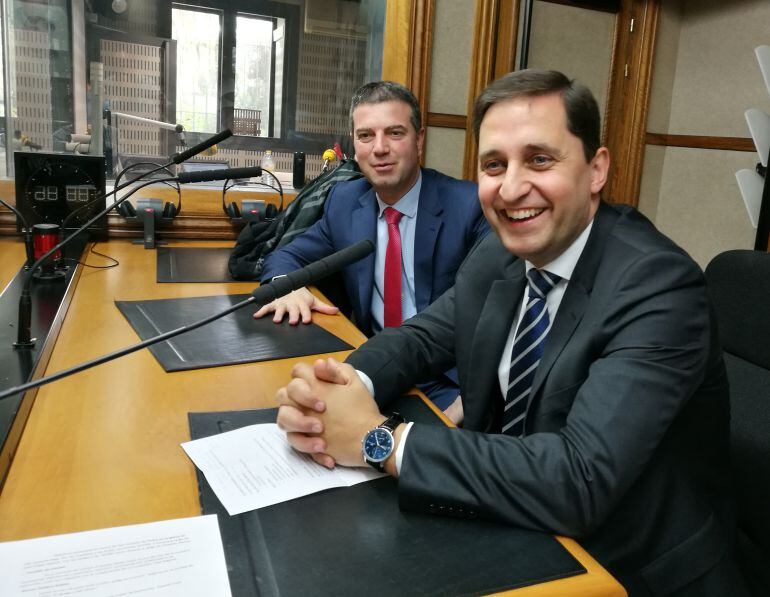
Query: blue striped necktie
{"points": [[527, 350]]}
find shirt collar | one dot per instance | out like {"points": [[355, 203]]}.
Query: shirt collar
{"points": [[407, 205], [564, 264]]}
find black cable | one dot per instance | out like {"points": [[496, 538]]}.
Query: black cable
{"points": [[115, 262], [17, 212], [58, 246], [114, 191], [235, 183], [166, 182]]}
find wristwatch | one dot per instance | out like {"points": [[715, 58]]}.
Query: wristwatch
{"points": [[378, 444]]}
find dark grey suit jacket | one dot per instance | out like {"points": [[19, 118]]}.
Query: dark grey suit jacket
{"points": [[626, 445]]}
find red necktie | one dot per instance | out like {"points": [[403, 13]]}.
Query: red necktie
{"points": [[392, 299]]}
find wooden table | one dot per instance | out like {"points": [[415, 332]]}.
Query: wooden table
{"points": [[12, 257], [101, 448]]}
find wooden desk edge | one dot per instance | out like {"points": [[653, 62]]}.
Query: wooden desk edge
{"points": [[13, 438]]}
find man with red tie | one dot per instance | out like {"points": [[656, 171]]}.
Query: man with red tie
{"points": [[422, 222]]}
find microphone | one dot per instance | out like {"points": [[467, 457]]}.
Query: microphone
{"points": [[24, 335], [328, 157], [220, 174], [310, 274], [202, 146]]}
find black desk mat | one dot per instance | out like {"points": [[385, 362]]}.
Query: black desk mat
{"points": [[183, 264], [234, 338], [356, 540]]}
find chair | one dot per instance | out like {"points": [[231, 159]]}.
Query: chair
{"points": [[739, 285]]}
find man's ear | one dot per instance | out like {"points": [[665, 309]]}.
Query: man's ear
{"points": [[600, 167], [420, 142]]}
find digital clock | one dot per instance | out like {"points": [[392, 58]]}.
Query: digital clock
{"points": [[52, 186]]}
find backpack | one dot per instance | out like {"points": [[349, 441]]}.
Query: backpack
{"points": [[258, 239]]}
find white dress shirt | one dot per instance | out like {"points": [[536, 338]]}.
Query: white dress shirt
{"points": [[563, 266]]}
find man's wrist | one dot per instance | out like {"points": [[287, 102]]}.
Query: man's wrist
{"points": [[391, 465]]}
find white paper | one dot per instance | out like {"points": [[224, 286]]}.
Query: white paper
{"points": [[169, 558], [255, 466]]}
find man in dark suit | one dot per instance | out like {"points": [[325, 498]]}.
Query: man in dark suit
{"points": [[440, 220], [616, 431]]}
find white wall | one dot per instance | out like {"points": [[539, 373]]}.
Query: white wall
{"points": [[705, 76]]}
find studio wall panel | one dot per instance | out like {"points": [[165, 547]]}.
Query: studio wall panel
{"points": [[445, 150], [649, 189], [664, 67], [450, 59], [576, 41], [717, 77], [699, 205]]}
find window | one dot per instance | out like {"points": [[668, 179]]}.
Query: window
{"points": [[253, 75], [226, 70], [198, 36]]}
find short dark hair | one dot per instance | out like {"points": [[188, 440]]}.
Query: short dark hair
{"points": [[583, 119], [386, 91]]}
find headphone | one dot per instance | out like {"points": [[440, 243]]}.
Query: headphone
{"points": [[252, 210], [168, 211]]}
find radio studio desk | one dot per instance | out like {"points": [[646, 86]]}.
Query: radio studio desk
{"points": [[101, 448]]}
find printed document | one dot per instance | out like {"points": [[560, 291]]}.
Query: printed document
{"points": [[169, 558], [255, 466]]}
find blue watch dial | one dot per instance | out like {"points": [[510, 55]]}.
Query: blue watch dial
{"points": [[378, 444]]}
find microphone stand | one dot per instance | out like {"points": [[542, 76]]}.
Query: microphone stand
{"points": [[24, 338], [263, 294]]}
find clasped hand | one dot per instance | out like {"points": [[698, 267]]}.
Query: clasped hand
{"points": [[325, 411]]}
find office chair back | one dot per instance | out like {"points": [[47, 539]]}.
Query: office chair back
{"points": [[739, 285]]}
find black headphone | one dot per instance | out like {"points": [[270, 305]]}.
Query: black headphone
{"points": [[252, 210], [169, 210]]}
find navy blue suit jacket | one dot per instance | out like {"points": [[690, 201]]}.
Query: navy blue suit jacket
{"points": [[449, 222]]}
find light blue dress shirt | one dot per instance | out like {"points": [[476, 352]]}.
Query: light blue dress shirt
{"points": [[407, 205]]}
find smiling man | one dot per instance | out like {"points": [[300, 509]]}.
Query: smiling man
{"points": [[595, 397], [423, 224]]}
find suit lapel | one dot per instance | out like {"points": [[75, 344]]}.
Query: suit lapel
{"points": [[492, 330], [428, 225], [364, 226], [577, 295]]}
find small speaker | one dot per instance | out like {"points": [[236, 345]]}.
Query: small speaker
{"points": [[298, 170]]}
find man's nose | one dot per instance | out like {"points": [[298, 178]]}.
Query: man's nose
{"points": [[516, 184], [381, 144]]}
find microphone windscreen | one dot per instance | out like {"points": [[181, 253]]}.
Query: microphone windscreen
{"points": [[202, 146], [221, 174], [312, 273]]}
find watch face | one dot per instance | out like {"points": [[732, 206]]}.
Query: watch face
{"points": [[378, 444]]}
